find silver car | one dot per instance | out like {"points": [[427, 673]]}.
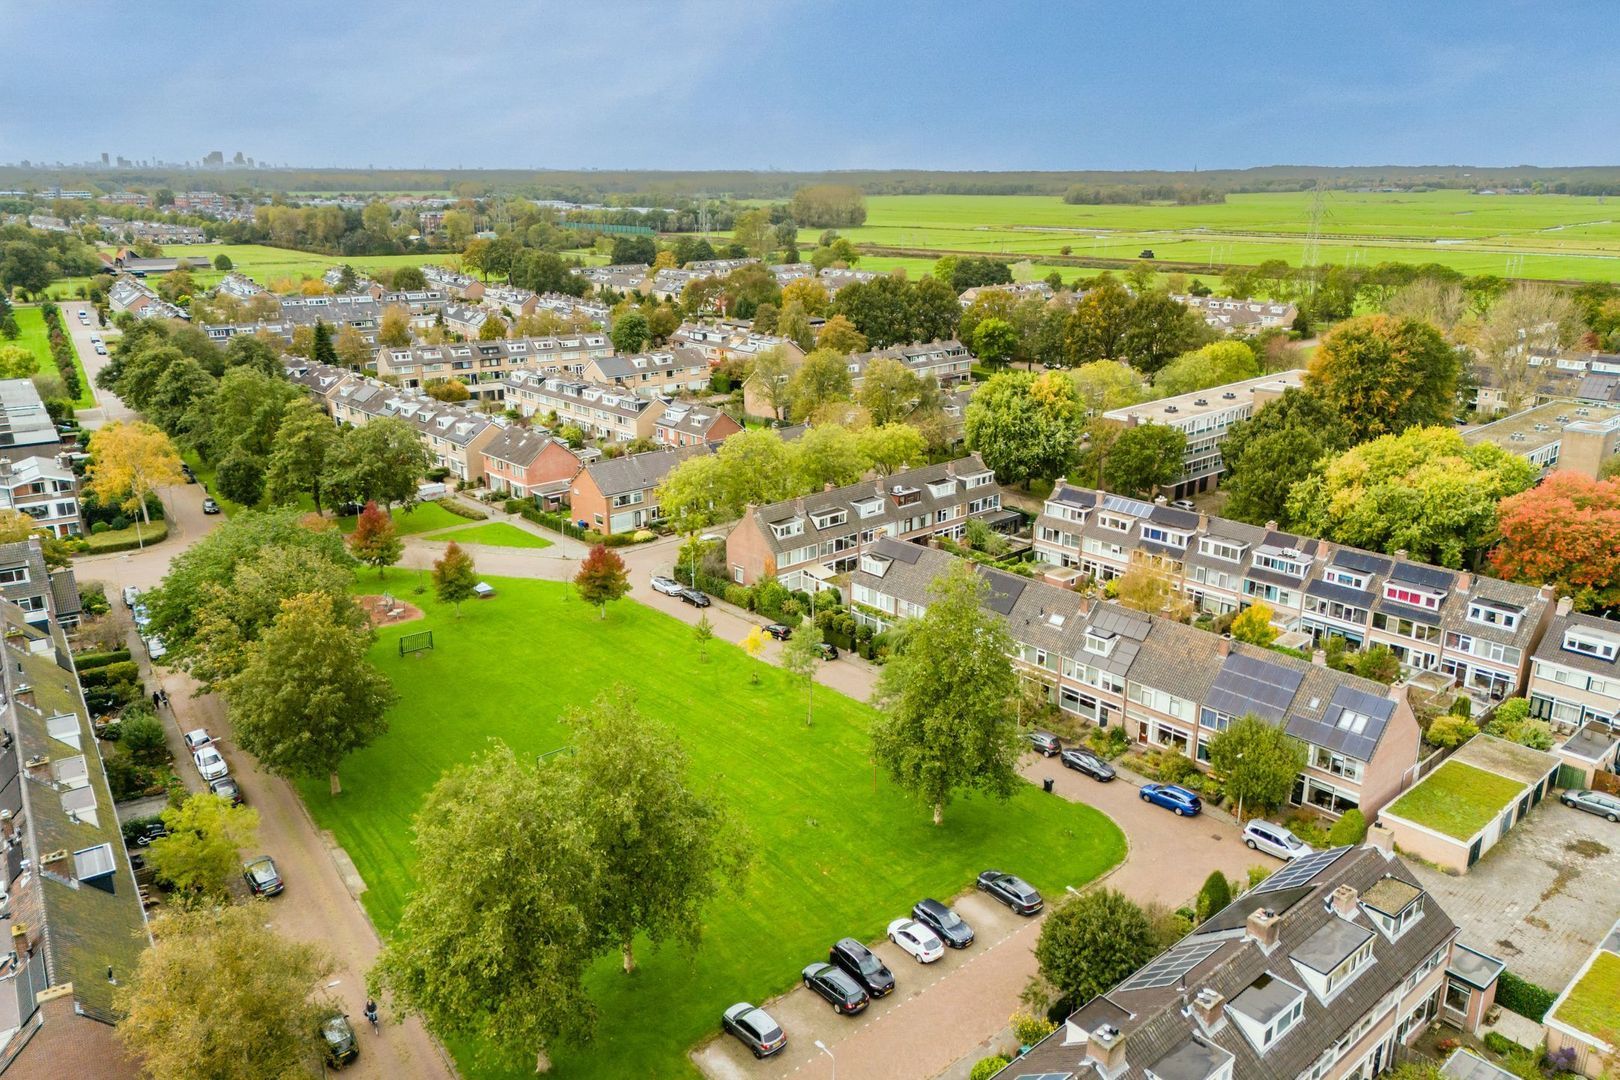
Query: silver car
{"points": [[666, 585], [1600, 803], [1274, 840]]}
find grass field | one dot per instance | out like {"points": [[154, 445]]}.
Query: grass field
{"points": [[1457, 799], [421, 518], [840, 850], [31, 321], [1532, 236], [494, 534]]}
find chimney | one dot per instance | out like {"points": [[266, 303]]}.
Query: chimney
{"points": [[1160, 500], [1223, 647], [1207, 1008], [1566, 604], [950, 470], [878, 487], [1547, 592], [1264, 926], [1319, 657], [1343, 901], [798, 505], [1106, 1048], [1465, 582], [1203, 522], [1400, 555], [1271, 526], [1380, 837], [828, 486]]}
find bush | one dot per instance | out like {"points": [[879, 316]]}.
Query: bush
{"points": [[985, 1068], [460, 509], [107, 674], [1029, 1030], [1214, 896], [1175, 768], [1523, 997], [1110, 742], [123, 778], [99, 527], [739, 596], [1351, 828], [135, 826], [1450, 731], [1463, 706], [1497, 1043], [143, 737], [85, 661], [513, 506]]}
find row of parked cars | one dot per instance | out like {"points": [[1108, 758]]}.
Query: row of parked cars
{"points": [[853, 975], [260, 873], [662, 583]]}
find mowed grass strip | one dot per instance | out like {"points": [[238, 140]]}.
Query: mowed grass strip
{"points": [[422, 518], [838, 850], [1457, 799], [493, 534], [36, 339]]}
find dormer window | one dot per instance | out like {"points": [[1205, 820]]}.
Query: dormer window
{"points": [[976, 480], [1216, 548], [867, 508], [1489, 614], [876, 565], [1164, 536], [1590, 643], [826, 519], [1406, 594], [1100, 642], [790, 527], [1349, 968], [1115, 522], [1282, 560], [939, 489], [1336, 575]]}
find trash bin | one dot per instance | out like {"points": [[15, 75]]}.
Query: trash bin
{"points": [[1046, 785]]}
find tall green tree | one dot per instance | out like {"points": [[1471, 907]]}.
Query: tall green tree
{"points": [[1257, 762], [201, 856], [1025, 425], [944, 725], [323, 351], [662, 849], [829, 454], [1384, 375], [1157, 328], [1214, 896], [630, 333], [481, 952], [1212, 365], [1276, 449], [306, 696], [1096, 327], [1091, 942], [822, 378], [1135, 460], [994, 342], [220, 994], [381, 461], [298, 463]]}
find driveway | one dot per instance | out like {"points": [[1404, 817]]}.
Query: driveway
{"points": [[1542, 898]]}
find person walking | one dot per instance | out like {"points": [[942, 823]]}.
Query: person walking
{"points": [[371, 1014]]}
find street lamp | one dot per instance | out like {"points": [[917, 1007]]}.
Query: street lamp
{"points": [[823, 1048]]}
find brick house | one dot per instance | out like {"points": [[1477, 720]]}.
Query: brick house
{"points": [[525, 461], [694, 425], [601, 412], [618, 495]]}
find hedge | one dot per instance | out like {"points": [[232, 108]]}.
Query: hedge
{"points": [[1523, 997], [557, 523], [107, 674], [1497, 1043], [126, 540], [88, 660], [460, 509]]}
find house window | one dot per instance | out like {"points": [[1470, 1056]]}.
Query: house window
{"points": [[1491, 615], [1458, 996], [1588, 644], [1344, 577], [1115, 522], [792, 527], [1412, 597], [1220, 550], [15, 575]]}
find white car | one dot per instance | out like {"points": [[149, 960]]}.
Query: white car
{"points": [[196, 740], [666, 585], [1274, 840], [211, 763], [131, 595], [917, 940], [155, 647]]}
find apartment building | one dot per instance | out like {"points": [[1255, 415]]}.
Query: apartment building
{"points": [[45, 490], [1327, 970], [1170, 685], [1556, 435], [1478, 630], [130, 294], [620, 495], [693, 425], [1241, 316], [805, 542], [453, 283], [601, 412], [668, 371], [1575, 671], [1206, 417], [528, 462], [454, 437], [484, 365], [25, 425]]}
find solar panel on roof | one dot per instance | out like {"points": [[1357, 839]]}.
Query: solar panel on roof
{"points": [[1133, 507], [1045, 1076], [1248, 684], [1360, 560], [1173, 966], [1300, 871], [1427, 576]]}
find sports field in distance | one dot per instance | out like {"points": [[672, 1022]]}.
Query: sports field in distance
{"points": [[1532, 236], [839, 850]]}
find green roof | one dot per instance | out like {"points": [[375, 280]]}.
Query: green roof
{"points": [[1593, 1004], [1457, 799]]}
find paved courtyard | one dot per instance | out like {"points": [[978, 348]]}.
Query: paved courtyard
{"points": [[1541, 899]]}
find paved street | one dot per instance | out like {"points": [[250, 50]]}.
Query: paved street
{"points": [[108, 407]]}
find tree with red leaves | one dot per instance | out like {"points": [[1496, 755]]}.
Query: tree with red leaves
{"points": [[1565, 531], [601, 578], [375, 541]]}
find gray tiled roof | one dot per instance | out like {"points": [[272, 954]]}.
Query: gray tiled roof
{"points": [[1552, 644], [518, 445], [638, 472]]}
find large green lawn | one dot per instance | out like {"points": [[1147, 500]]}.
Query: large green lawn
{"points": [[31, 321], [1457, 799], [420, 518], [839, 849]]}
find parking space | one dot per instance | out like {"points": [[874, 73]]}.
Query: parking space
{"points": [[1542, 898], [806, 1017]]}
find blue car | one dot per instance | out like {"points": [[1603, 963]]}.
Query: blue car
{"points": [[1178, 799]]}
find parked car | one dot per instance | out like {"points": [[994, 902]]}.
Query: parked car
{"points": [[101, 350], [338, 1035], [1184, 504], [827, 649], [666, 585], [1274, 840], [155, 647], [1173, 797], [778, 631], [210, 763], [1011, 890], [185, 470], [695, 597], [917, 940], [863, 966], [197, 739], [842, 992], [754, 1027], [155, 830], [939, 918], [138, 612], [1593, 802], [226, 787], [1083, 760], [210, 506], [132, 596], [261, 876], [1047, 744]]}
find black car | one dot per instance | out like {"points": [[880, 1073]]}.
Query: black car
{"points": [[779, 631], [754, 1027], [1045, 742], [863, 965], [950, 926], [827, 649], [1013, 891], [227, 787], [147, 833], [1085, 761], [261, 876], [191, 477], [842, 992], [695, 597], [338, 1036]]}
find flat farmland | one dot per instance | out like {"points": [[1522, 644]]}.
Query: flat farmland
{"points": [[1536, 236]]}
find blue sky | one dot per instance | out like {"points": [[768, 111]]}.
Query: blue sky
{"points": [[789, 85]]}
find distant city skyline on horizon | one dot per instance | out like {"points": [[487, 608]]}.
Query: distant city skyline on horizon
{"points": [[801, 87]]}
